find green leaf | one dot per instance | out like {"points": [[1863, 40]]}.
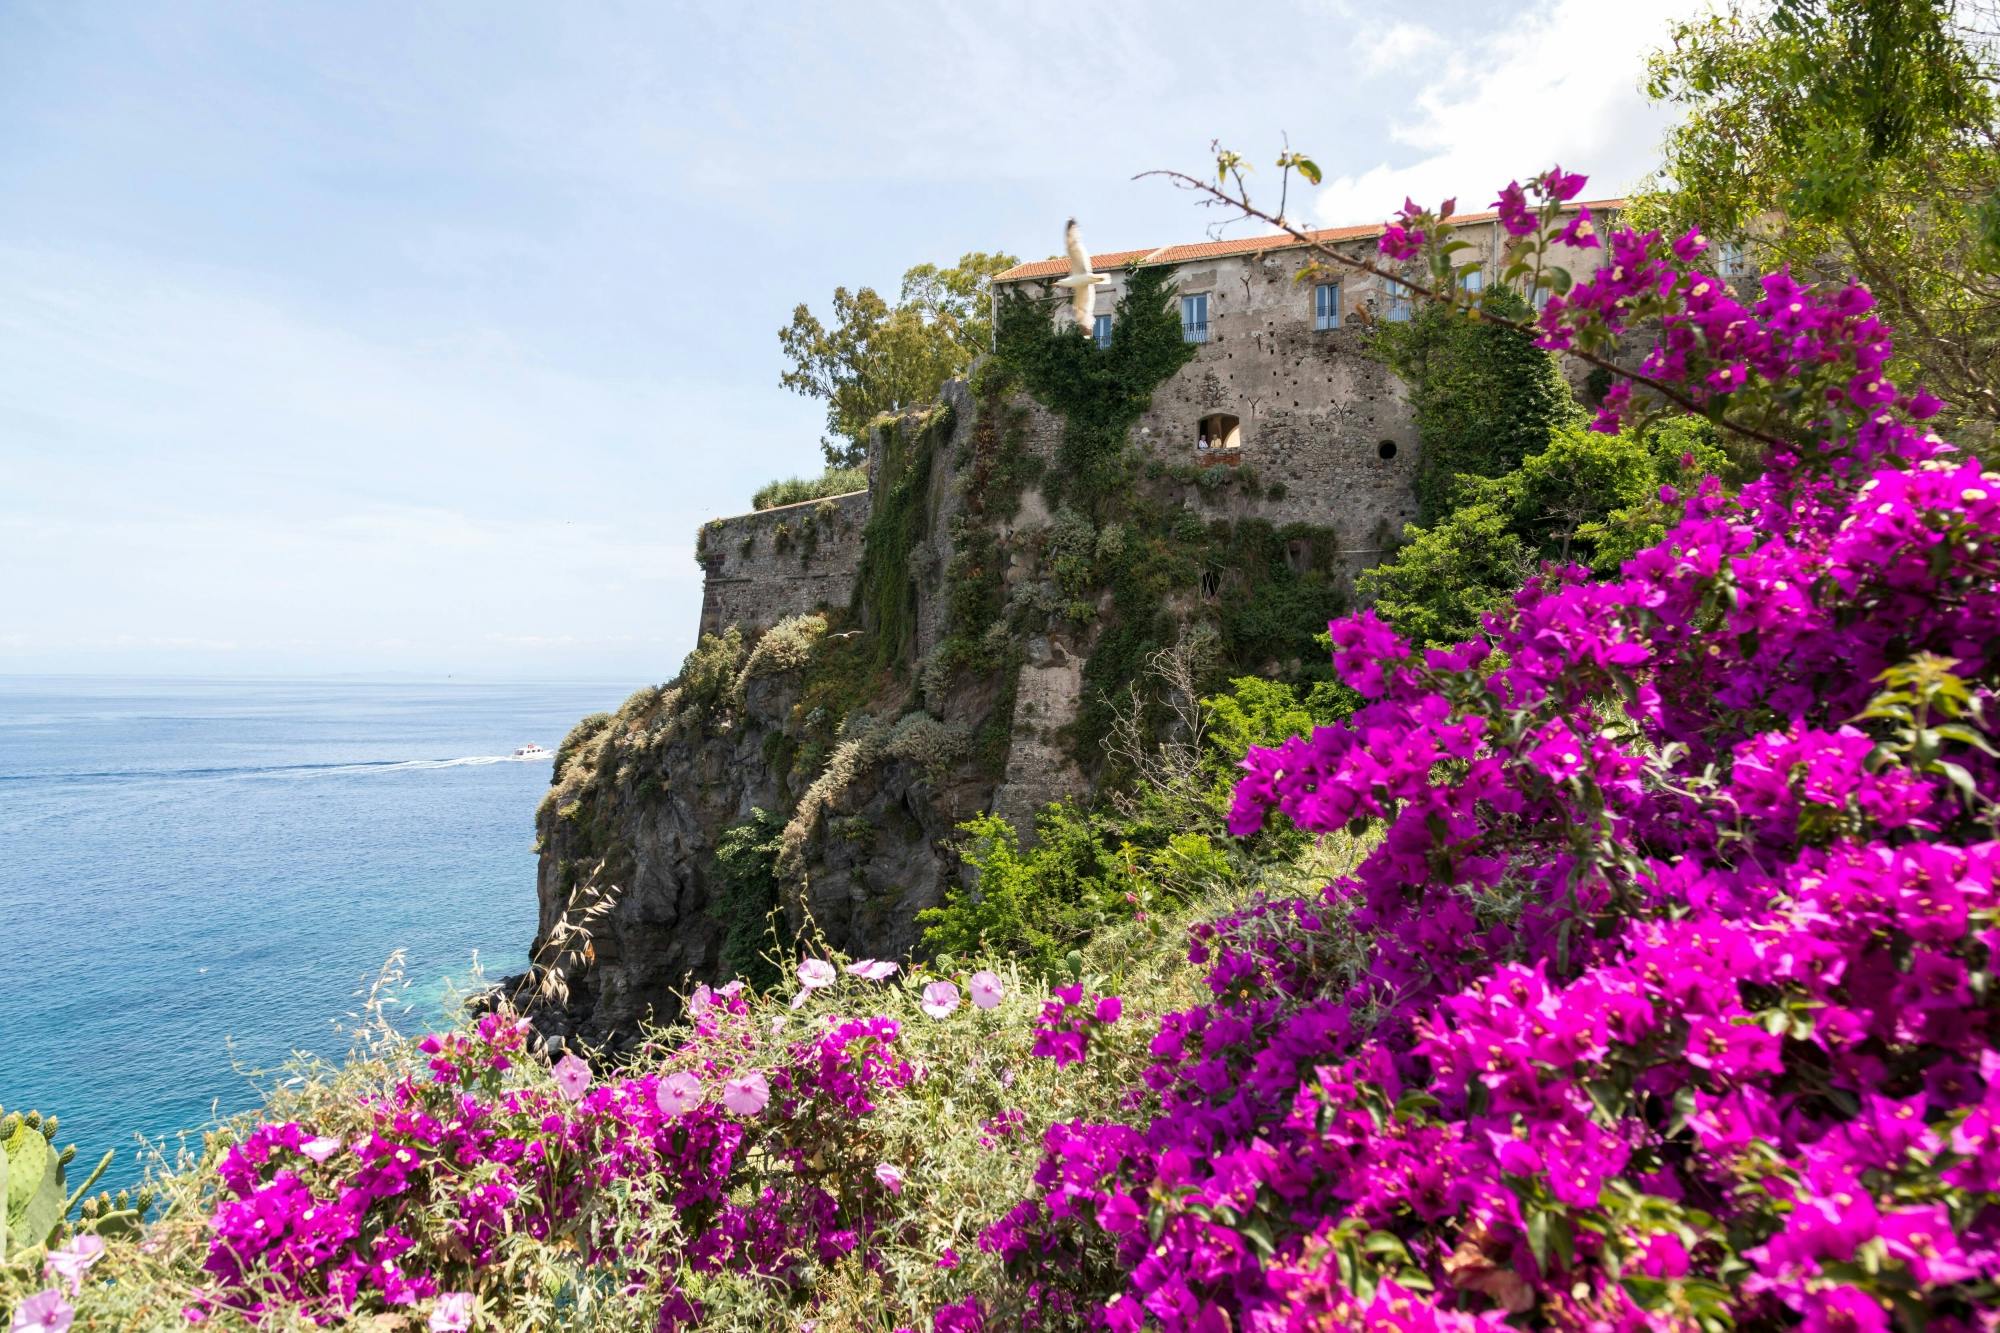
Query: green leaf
{"points": [[34, 1188], [1307, 168], [1538, 1236]]}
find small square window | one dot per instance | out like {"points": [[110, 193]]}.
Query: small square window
{"points": [[1326, 306], [1100, 330], [1194, 318]]}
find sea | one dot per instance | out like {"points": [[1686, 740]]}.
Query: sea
{"points": [[200, 878]]}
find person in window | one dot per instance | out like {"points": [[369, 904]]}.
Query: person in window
{"points": [[1201, 444]]}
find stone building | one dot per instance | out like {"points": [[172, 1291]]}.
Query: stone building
{"points": [[1283, 377], [1282, 383]]}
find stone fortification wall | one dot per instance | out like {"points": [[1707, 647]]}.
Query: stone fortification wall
{"points": [[761, 567]]}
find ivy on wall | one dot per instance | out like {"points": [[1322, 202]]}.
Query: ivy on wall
{"points": [[1100, 392], [898, 523], [1484, 397]]}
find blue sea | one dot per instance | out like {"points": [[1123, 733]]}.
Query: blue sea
{"points": [[200, 875]]}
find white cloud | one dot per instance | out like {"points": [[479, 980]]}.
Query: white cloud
{"points": [[1399, 45], [1560, 84]]}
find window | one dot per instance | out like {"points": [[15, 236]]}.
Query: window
{"points": [[1472, 280], [1100, 330], [1398, 311], [1326, 306], [1194, 318], [1218, 430]]}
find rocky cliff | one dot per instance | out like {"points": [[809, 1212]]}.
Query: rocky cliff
{"points": [[1022, 550]]}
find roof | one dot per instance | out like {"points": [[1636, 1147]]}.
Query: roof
{"points": [[1246, 245]]}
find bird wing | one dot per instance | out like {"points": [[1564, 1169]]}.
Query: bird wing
{"points": [[1079, 258], [1082, 303]]}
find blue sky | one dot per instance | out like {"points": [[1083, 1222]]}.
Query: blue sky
{"points": [[387, 338]]}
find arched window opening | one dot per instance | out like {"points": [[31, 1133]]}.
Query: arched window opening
{"points": [[1218, 430]]}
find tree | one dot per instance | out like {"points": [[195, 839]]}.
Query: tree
{"points": [[876, 357], [1851, 137], [1588, 499], [1485, 397]]}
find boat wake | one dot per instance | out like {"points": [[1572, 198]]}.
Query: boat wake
{"points": [[277, 770]]}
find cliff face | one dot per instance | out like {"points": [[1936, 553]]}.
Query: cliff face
{"points": [[783, 783], [1022, 550]]}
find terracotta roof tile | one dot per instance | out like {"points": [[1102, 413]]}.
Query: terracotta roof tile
{"points": [[1243, 245]]}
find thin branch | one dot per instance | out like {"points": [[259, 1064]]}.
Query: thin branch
{"points": [[1665, 390]]}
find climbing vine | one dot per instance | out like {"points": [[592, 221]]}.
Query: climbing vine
{"points": [[1485, 396], [896, 529], [1100, 392]]}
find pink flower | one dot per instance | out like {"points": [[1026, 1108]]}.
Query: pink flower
{"points": [[572, 1077], [816, 972], [891, 1178], [43, 1312], [1108, 1009], [872, 969], [986, 989], [678, 1093], [940, 999], [321, 1148], [746, 1094], [948, 1260], [72, 1260], [453, 1313]]}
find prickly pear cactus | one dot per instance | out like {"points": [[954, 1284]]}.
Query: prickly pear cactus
{"points": [[33, 1174], [32, 1181]]}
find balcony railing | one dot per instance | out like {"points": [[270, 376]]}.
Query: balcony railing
{"points": [[1192, 332]]}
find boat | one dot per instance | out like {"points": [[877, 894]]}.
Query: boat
{"points": [[532, 751]]}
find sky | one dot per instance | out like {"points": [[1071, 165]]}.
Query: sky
{"points": [[391, 339]]}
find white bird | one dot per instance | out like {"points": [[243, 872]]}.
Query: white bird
{"points": [[1082, 283]]}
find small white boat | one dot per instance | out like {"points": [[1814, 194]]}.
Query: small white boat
{"points": [[532, 751]]}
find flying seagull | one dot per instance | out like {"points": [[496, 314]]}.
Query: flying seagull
{"points": [[1082, 283]]}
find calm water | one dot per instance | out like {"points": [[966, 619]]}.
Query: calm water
{"points": [[188, 865]]}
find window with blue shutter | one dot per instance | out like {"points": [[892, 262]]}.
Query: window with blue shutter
{"points": [[1326, 306], [1194, 318]]}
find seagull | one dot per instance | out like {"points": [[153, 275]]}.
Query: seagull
{"points": [[1082, 283]]}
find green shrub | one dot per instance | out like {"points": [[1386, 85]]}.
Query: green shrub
{"points": [[1036, 905], [1485, 397], [746, 900], [579, 736], [797, 490]]}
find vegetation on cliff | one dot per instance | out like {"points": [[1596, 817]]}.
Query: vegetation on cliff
{"points": [[798, 490]]}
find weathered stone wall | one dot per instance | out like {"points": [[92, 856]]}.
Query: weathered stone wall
{"points": [[781, 562], [1327, 428]]}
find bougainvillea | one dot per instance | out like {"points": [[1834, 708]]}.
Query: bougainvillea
{"points": [[1663, 1000], [325, 1230], [1676, 1009]]}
